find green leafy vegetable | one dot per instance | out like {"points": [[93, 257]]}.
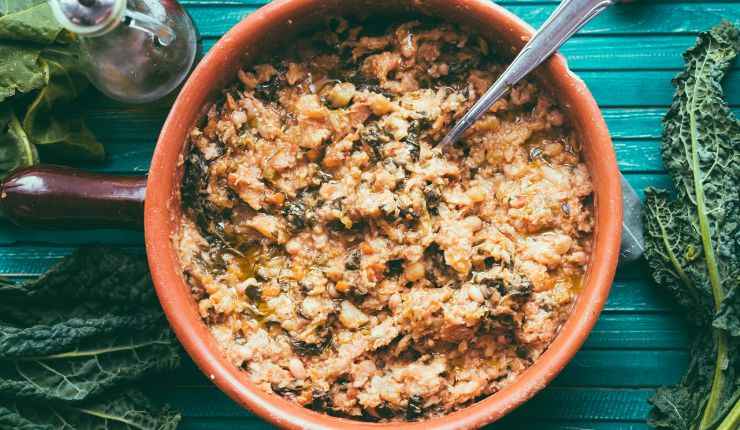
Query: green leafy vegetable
{"points": [[21, 70], [130, 410], [15, 148], [70, 338], [88, 369], [40, 337], [28, 21], [92, 274], [693, 240], [40, 78], [49, 119]]}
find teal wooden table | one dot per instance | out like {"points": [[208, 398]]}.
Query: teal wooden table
{"points": [[627, 56]]}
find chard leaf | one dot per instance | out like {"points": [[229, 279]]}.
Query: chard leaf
{"points": [[130, 410], [90, 369], [91, 274], [28, 21], [15, 148], [51, 121], [21, 70], [693, 241]]}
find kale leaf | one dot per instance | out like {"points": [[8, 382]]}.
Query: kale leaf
{"points": [[91, 274], [90, 368], [80, 332], [129, 410], [693, 239], [68, 332]]}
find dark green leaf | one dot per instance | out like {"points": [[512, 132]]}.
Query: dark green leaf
{"points": [[99, 274], [15, 148], [693, 240], [728, 317], [70, 332], [90, 369], [679, 407], [673, 251], [130, 410], [28, 21], [21, 70]]}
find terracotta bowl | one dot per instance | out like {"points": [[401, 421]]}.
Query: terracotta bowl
{"points": [[278, 22]]}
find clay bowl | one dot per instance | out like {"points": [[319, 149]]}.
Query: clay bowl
{"points": [[279, 22]]}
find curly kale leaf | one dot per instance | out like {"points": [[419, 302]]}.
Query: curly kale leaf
{"points": [[129, 410], [89, 325], [673, 251], [70, 332], [679, 407], [92, 274], [89, 369], [693, 240]]}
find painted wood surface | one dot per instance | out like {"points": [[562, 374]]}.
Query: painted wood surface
{"points": [[627, 57]]}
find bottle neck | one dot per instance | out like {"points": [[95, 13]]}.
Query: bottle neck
{"points": [[89, 18]]}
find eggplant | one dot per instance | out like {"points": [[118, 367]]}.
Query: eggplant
{"points": [[61, 197]]}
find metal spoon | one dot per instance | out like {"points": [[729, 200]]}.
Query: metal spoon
{"points": [[565, 21]]}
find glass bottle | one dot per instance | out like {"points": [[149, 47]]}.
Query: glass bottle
{"points": [[135, 51]]}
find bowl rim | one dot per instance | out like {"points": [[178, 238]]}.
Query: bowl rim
{"points": [[162, 208]]}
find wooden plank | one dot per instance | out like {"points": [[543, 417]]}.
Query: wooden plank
{"points": [[643, 88], [618, 52], [11, 234], [639, 331], [636, 18], [623, 369], [637, 294], [224, 424], [555, 403]]}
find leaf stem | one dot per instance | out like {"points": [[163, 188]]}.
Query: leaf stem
{"points": [[93, 352], [105, 416], [718, 380], [732, 420]]}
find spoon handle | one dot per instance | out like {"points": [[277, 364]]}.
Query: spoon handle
{"points": [[568, 18]]}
